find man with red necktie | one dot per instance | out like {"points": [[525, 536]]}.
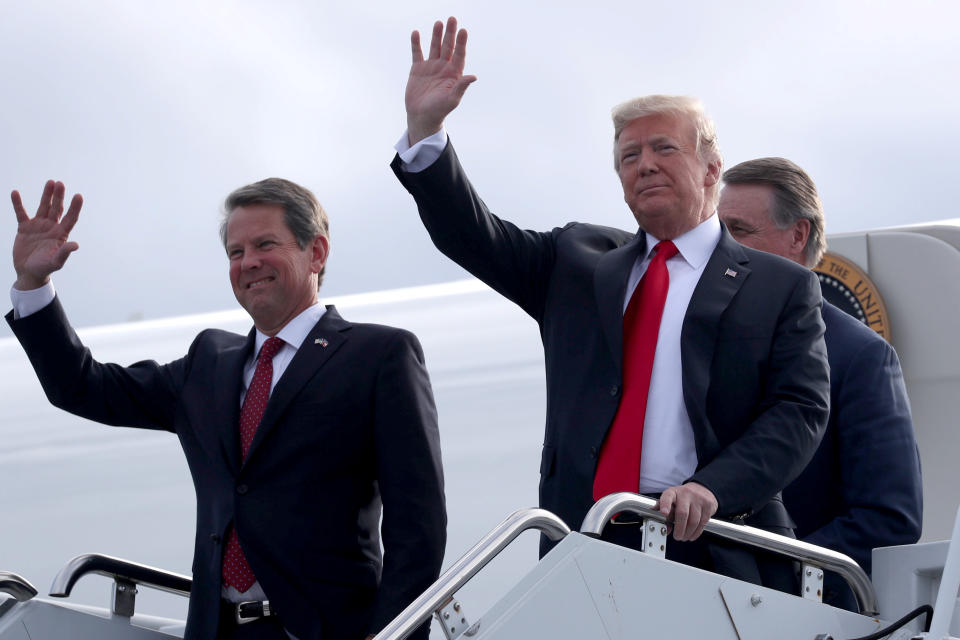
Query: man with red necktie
{"points": [[298, 435], [679, 364]]}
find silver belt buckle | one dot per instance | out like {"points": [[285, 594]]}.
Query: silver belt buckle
{"points": [[252, 610]]}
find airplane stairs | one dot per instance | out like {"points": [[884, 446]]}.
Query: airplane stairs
{"points": [[585, 588], [582, 589]]}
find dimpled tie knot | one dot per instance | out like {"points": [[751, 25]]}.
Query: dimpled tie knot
{"points": [[618, 468], [236, 570]]}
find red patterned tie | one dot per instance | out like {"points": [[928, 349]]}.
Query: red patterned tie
{"points": [[236, 571], [618, 468]]}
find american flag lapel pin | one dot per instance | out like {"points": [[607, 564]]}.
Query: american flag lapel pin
{"points": [[730, 273], [321, 341]]}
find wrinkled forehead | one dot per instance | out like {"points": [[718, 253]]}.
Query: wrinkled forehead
{"points": [[671, 126], [256, 220], [746, 200]]}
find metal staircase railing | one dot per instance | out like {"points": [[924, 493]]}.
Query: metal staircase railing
{"points": [[14, 585], [438, 598], [813, 559], [126, 576]]}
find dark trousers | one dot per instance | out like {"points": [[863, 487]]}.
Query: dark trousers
{"points": [[268, 628], [715, 554]]}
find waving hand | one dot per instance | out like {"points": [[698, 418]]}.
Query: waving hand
{"points": [[437, 84], [41, 245]]}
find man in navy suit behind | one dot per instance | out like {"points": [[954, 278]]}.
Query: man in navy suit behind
{"points": [[862, 489], [298, 435]]}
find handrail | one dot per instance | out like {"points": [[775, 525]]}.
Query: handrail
{"points": [[605, 508], [469, 564], [16, 586], [946, 603], [118, 569]]}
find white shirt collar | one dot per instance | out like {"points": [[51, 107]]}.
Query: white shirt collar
{"points": [[295, 331], [695, 246]]}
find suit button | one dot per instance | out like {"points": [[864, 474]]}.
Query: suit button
{"points": [[593, 452], [614, 390], [215, 538], [242, 489]]}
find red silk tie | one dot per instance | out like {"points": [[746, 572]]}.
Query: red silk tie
{"points": [[618, 468], [236, 570]]}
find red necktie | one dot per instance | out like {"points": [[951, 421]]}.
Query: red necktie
{"points": [[236, 571], [618, 468]]}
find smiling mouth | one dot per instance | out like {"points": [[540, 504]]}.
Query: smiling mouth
{"points": [[259, 283]]}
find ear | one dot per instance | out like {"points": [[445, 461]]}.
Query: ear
{"points": [[320, 250], [714, 170], [799, 235]]}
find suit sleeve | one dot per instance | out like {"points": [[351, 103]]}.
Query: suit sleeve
{"points": [[410, 478], [513, 262], [792, 414], [880, 466], [141, 395]]}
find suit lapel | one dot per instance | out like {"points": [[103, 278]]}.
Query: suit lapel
{"points": [[609, 286], [322, 342], [229, 369], [725, 273]]}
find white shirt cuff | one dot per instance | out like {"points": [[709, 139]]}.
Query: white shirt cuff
{"points": [[423, 154], [26, 303]]}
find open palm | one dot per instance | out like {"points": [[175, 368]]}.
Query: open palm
{"points": [[436, 84], [42, 244]]}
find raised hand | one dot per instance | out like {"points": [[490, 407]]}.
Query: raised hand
{"points": [[41, 245], [437, 84]]}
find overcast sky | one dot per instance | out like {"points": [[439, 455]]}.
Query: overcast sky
{"points": [[156, 110]]}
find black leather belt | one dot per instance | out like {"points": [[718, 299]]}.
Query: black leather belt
{"points": [[249, 611]]}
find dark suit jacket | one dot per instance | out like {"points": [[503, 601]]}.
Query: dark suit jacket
{"points": [[351, 424], [754, 363], [862, 489]]}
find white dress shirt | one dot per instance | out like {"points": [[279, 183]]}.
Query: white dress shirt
{"points": [[669, 454], [423, 154], [293, 334], [27, 303]]}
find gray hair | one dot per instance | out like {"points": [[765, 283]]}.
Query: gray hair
{"points": [[682, 106], [795, 198], [302, 211]]}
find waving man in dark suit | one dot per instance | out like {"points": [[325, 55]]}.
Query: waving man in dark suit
{"points": [[678, 363], [296, 434]]}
